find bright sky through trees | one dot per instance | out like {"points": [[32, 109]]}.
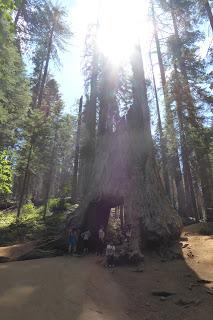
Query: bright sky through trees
{"points": [[122, 23]]}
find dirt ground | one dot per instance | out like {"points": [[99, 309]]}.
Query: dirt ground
{"points": [[75, 288]]}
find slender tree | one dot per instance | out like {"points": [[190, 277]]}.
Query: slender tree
{"points": [[208, 11], [173, 158], [77, 153], [162, 140], [195, 125]]}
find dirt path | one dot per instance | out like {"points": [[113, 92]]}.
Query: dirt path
{"points": [[80, 289], [59, 288]]}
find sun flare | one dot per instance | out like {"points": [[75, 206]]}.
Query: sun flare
{"points": [[121, 24]]}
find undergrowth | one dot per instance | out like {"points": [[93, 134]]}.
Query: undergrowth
{"points": [[31, 225]]}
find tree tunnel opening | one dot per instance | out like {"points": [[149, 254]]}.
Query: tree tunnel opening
{"points": [[108, 213]]}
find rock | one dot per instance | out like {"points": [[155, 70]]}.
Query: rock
{"points": [[185, 245], [190, 255], [186, 303], [98, 311], [138, 269], [197, 302], [184, 239], [163, 299], [204, 281], [188, 275], [191, 285], [163, 293], [209, 291]]}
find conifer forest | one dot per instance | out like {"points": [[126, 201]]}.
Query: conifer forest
{"points": [[106, 154]]}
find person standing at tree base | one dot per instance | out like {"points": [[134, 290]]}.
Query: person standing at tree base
{"points": [[110, 255], [72, 241], [86, 236], [101, 237]]}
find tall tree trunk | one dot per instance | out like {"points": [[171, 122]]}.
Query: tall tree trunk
{"points": [[174, 163], [140, 100], [188, 182], [50, 175], [122, 216], [108, 111], [24, 185], [209, 12], [162, 140], [44, 77], [19, 12], [89, 143], [37, 88], [205, 175], [77, 150]]}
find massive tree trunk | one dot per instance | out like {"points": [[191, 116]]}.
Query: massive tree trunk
{"points": [[124, 172], [173, 162]]}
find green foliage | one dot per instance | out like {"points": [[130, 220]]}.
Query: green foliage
{"points": [[30, 226], [6, 26], [24, 127], [6, 176], [14, 93], [29, 209], [57, 205], [7, 219]]}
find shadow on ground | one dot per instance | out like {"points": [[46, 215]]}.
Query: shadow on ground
{"points": [[65, 288]]}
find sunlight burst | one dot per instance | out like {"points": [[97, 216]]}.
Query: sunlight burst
{"points": [[122, 22]]}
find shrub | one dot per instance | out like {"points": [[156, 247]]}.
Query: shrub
{"points": [[29, 209], [57, 205]]}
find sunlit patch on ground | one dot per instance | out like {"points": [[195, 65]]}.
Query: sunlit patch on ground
{"points": [[16, 296]]}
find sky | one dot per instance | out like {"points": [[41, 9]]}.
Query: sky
{"points": [[80, 14], [69, 76], [115, 39]]}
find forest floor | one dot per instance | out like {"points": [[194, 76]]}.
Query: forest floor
{"points": [[76, 288]]}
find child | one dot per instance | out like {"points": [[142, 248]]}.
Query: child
{"points": [[110, 255], [72, 240], [85, 236], [101, 236]]}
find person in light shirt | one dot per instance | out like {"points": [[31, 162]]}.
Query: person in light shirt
{"points": [[101, 238], [110, 255], [86, 236]]}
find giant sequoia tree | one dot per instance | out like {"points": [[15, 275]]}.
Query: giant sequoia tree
{"points": [[124, 172]]}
